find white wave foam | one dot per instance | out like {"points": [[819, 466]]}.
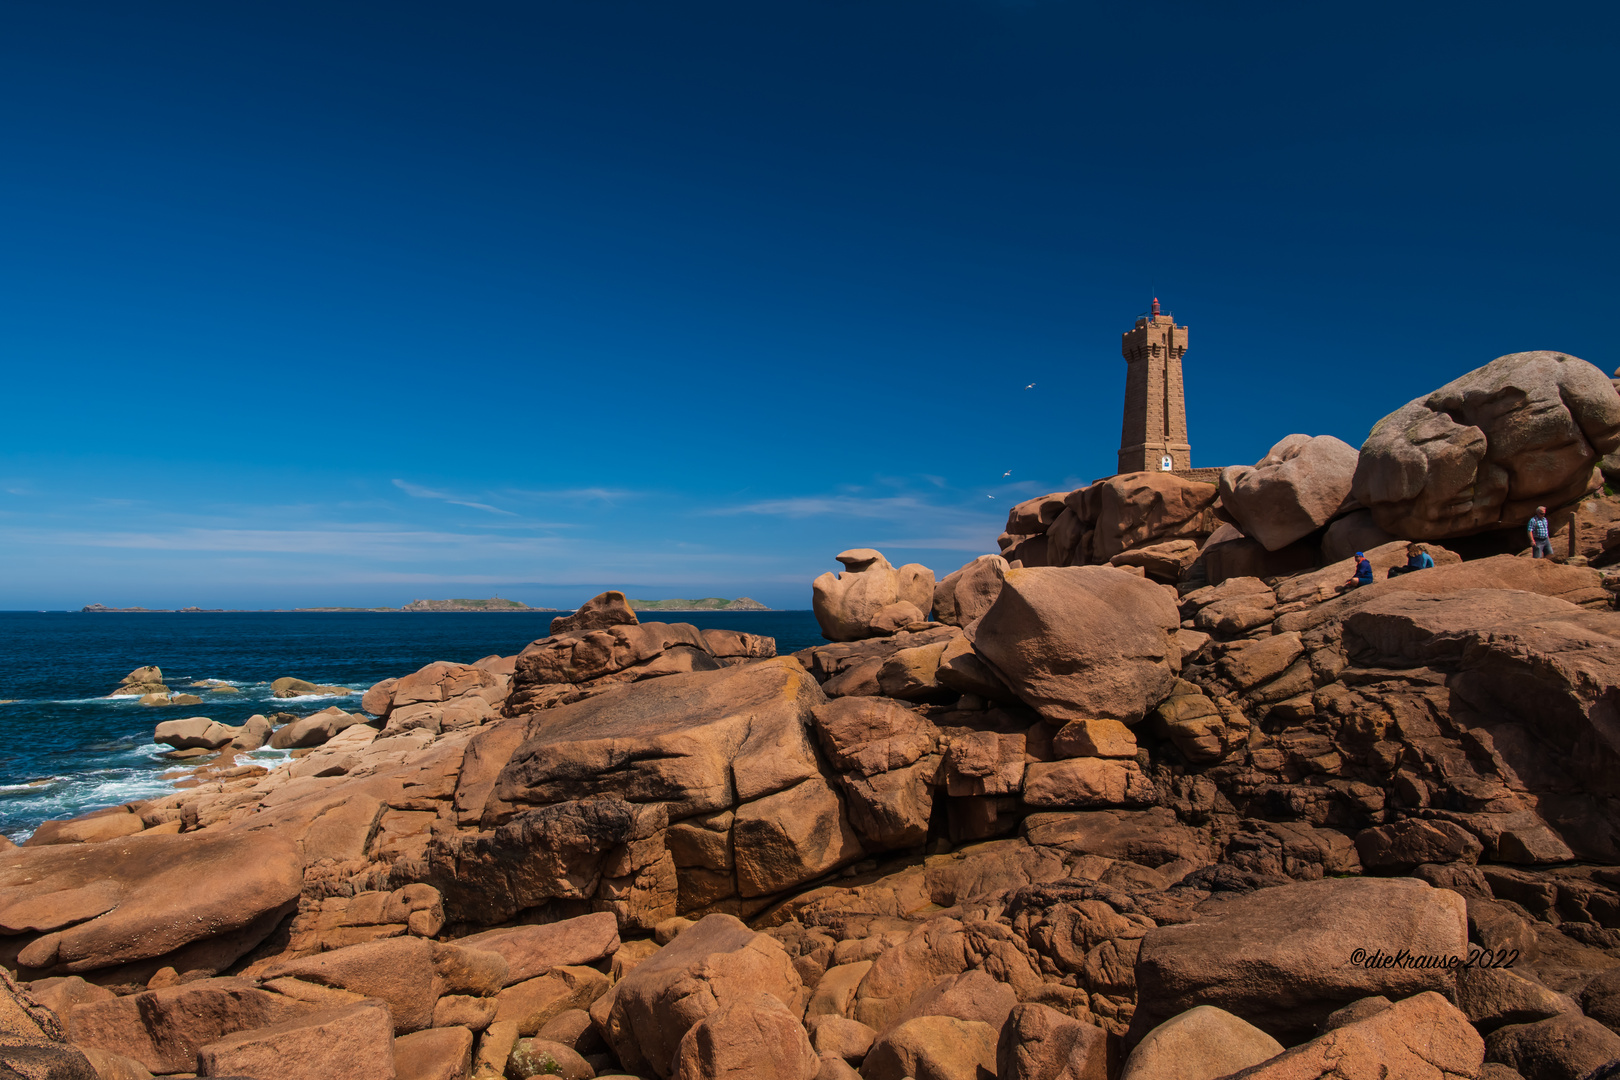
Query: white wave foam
{"points": [[33, 785]]}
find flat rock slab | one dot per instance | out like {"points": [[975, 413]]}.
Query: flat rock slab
{"points": [[164, 1029], [698, 742], [352, 1043], [533, 950], [1283, 958], [101, 905]]}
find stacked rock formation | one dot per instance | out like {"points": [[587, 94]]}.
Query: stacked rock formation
{"points": [[1111, 812]]}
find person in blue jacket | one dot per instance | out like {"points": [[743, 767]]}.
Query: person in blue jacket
{"points": [[1364, 573], [1416, 559]]}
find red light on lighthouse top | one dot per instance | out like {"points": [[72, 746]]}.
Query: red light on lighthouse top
{"points": [[1155, 307]]}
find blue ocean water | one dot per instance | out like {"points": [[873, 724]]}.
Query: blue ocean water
{"points": [[65, 748]]}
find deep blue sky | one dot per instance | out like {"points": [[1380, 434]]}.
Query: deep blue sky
{"points": [[352, 303]]}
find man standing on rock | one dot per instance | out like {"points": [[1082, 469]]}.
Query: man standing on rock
{"points": [[1540, 541]]}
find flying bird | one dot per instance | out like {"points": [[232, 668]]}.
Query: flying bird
{"points": [[1007, 473], [1031, 386], [989, 496]]}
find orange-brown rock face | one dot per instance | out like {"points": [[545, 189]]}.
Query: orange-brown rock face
{"points": [[1484, 450], [870, 598], [195, 903], [1081, 642], [1103, 828]]}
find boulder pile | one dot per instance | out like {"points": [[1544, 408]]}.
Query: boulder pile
{"points": [[1112, 803]]}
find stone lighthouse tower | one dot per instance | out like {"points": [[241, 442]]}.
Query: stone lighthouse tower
{"points": [[1153, 437]]}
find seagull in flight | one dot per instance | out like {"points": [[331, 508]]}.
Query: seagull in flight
{"points": [[989, 496], [1007, 473], [1031, 386]]}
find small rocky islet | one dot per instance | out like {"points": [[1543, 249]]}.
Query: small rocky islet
{"points": [[1149, 794]]}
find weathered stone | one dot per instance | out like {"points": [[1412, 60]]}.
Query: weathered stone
{"points": [[1040, 1043], [100, 905], [1033, 516], [352, 1043], [1301, 484], [1228, 554], [1081, 642], [751, 1035], [194, 732], [598, 613], [790, 837], [164, 1029], [1482, 451], [1355, 531], [1202, 1043], [1236, 615], [966, 594], [532, 950], [1283, 958], [1253, 664], [934, 1048], [913, 675], [315, 729], [984, 763], [1150, 837], [698, 742], [398, 971], [1134, 510], [542, 1057], [1420, 1038], [1165, 562], [443, 1053], [1405, 845], [90, 829], [1492, 997], [1565, 1047], [531, 1004], [714, 962], [851, 604], [839, 1036], [872, 735], [1087, 782]]}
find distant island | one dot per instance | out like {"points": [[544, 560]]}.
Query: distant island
{"points": [[155, 611], [494, 603], [708, 603]]}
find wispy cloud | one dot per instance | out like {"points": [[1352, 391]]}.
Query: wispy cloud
{"points": [[416, 491], [348, 540], [588, 494], [829, 506]]}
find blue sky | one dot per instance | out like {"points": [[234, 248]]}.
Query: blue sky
{"points": [[352, 303]]}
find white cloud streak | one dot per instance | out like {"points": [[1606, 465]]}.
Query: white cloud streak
{"points": [[416, 491]]}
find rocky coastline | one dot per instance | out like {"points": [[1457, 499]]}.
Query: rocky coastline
{"points": [[1151, 793]]}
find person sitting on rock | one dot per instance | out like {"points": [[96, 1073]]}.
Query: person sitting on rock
{"points": [[1540, 540], [1364, 573], [1416, 559]]}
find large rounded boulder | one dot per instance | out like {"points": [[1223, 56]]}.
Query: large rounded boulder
{"points": [[1298, 487], [870, 597], [1483, 451], [1136, 509], [967, 593], [1082, 642]]}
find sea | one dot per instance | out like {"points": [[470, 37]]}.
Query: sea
{"points": [[66, 748]]}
